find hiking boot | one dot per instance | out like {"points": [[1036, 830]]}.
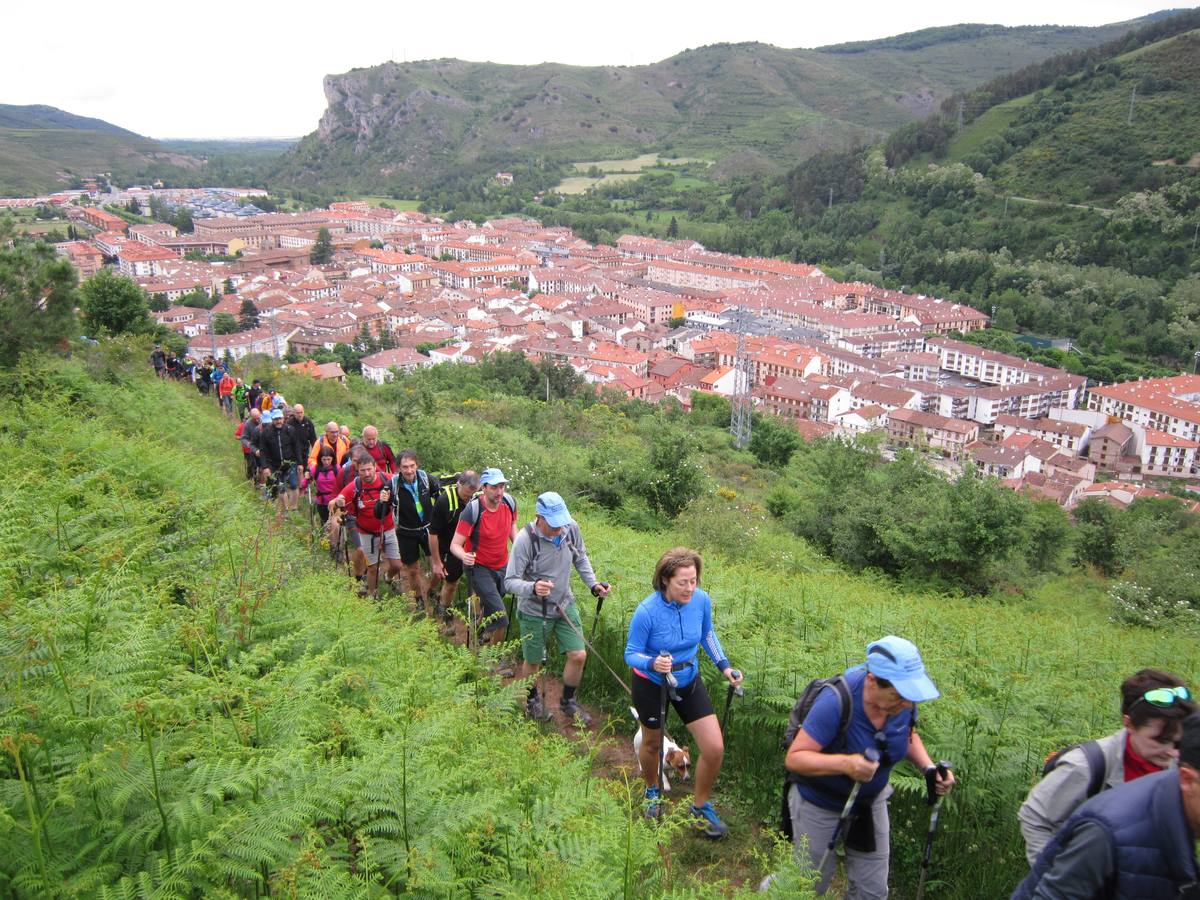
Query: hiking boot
{"points": [[502, 669], [572, 710], [707, 820], [653, 803], [536, 710]]}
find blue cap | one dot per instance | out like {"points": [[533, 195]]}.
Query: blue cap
{"points": [[277, 402], [898, 661], [552, 508], [492, 476], [268, 416]]}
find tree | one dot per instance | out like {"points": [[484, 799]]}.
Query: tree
{"points": [[197, 299], [224, 323], [322, 250], [159, 303], [228, 288], [773, 442], [673, 228], [114, 304], [38, 296], [248, 316], [677, 321], [182, 220]]}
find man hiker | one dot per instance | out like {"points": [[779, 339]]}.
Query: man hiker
{"points": [[446, 509], [385, 460], [539, 576], [1154, 704], [415, 491], [826, 760], [331, 438], [276, 456], [240, 397], [158, 359], [1134, 842], [304, 437], [485, 528], [369, 496], [247, 434]]}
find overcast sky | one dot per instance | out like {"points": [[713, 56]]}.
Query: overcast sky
{"points": [[166, 68]]}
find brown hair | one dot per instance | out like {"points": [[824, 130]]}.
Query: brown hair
{"points": [[1133, 687], [670, 562]]}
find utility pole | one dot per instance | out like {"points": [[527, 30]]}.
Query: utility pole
{"points": [[1195, 234], [831, 198], [740, 420], [1196, 362], [961, 105], [212, 335], [1132, 97], [1006, 206]]}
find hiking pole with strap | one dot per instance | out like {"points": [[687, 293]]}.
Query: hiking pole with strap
{"points": [[666, 689], [733, 689], [873, 755], [599, 607], [932, 775]]}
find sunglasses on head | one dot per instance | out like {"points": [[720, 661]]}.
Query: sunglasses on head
{"points": [[1166, 696]]}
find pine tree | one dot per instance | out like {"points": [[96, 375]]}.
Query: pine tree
{"points": [[322, 250], [38, 297]]}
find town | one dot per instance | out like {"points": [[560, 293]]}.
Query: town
{"points": [[648, 319]]}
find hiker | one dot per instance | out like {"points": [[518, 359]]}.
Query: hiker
{"points": [[385, 460], [332, 437], [1154, 704], [369, 495], [325, 476], [225, 392], [1134, 842], [415, 492], [158, 359], [827, 761], [277, 456], [240, 397], [665, 634], [254, 395], [485, 527], [247, 434], [304, 437], [539, 576], [446, 509]]}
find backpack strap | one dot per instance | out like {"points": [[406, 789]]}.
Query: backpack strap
{"points": [[1096, 766]]}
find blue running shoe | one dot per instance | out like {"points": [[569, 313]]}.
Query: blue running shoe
{"points": [[709, 822]]}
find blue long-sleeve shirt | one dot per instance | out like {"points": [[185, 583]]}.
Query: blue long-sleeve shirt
{"points": [[680, 629]]}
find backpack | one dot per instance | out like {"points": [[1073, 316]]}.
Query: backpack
{"points": [[1097, 768], [800, 710], [474, 508]]}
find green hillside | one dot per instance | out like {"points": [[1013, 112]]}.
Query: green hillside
{"points": [[43, 149], [403, 126], [196, 704]]}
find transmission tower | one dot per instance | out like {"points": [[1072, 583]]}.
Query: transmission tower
{"points": [[739, 423]]}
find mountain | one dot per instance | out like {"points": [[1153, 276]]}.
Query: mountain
{"points": [[46, 149], [403, 126]]}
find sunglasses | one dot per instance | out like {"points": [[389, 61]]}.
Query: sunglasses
{"points": [[1166, 696]]}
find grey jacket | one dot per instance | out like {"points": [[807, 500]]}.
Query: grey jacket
{"points": [[528, 564], [1059, 794]]}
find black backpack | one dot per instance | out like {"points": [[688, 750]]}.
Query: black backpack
{"points": [[1097, 767]]}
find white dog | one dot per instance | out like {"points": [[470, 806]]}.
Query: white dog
{"points": [[677, 757]]}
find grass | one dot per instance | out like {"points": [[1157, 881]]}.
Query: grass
{"points": [[398, 205]]}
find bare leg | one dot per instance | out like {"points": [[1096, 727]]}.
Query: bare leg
{"points": [[707, 734], [372, 580], [573, 668], [649, 754]]}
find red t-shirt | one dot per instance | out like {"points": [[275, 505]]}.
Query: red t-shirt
{"points": [[495, 528], [364, 512], [1135, 765]]}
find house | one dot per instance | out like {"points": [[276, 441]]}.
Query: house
{"points": [[913, 426], [242, 343], [381, 367]]}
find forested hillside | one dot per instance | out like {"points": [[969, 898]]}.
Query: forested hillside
{"points": [[196, 703], [408, 127]]}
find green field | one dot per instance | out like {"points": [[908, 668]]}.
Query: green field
{"points": [[398, 205]]}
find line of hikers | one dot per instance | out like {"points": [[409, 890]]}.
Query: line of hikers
{"points": [[1115, 817]]}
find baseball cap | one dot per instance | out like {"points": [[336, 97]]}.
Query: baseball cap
{"points": [[552, 508], [898, 661], [492, 476]]}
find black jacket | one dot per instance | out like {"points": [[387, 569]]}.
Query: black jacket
{"points": [[304, 435], [276, 446]]}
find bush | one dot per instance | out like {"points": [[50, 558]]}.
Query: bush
{"points": [[1135, 604]]}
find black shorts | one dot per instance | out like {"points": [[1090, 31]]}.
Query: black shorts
{"points": [[454, 567], [693, 702], [412, 545]]}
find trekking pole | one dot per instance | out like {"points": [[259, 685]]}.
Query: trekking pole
{"points": [[599, 607], [932, 776], [733, 689], [666, 688], [873, 755]]}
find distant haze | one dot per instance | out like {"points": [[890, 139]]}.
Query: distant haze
{"points": [[220, 69]]}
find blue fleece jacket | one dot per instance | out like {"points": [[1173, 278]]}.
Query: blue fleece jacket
{"points": [[680, 629]]}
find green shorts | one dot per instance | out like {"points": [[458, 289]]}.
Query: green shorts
{"points": [[535, 629]]}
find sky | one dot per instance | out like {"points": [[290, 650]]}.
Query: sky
{"points": [[254, 69]]}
